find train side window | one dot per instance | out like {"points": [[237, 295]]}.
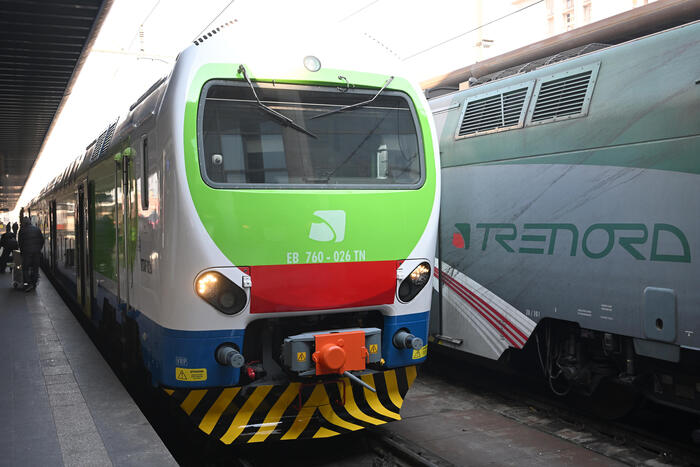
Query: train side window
{"points": [[144, 175]]}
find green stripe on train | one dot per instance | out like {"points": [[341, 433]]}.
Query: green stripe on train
{"points": [[677, 155]]}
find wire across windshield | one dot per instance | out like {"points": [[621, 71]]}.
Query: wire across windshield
{"points": [[372, 146]]}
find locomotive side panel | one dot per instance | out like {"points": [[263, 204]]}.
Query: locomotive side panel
{"points": [[568, 194], [586, 250], [574, 219]]}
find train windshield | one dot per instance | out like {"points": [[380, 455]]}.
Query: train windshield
{"points": [[241, 145]]}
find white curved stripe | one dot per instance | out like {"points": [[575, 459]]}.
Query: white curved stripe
{"points": [[490, 335], [512, 314]]}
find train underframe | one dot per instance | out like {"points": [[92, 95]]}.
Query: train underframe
{"points": [[606, 366]]}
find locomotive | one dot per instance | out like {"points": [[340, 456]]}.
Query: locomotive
{"points": [[257, 232], [569, 231]]}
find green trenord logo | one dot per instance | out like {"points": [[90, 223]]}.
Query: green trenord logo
{"points": [[668, 242]]}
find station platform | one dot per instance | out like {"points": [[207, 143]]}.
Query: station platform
{"points": [[61, 403]]}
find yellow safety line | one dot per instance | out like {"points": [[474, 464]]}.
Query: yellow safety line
{"points": [[169, 391], [192, 399], [240, 421], [215, 411], [351, 405], [410, 374], [373, 400], [393, 387], [275, 413], [304, 416], [325, 433]]}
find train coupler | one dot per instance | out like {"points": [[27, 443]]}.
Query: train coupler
{"points": [[332, 352]]}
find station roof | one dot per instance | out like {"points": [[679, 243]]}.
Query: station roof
{"points": [[43, 44]]}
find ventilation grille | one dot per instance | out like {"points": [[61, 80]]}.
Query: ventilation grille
{"points": [[102, 143], [562, 97], [108, 138], [97, 147], [499, 111]]}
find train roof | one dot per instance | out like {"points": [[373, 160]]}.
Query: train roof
{"points": [[625, 27], [98, 149]]}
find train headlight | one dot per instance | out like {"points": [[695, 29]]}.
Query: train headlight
{"points": [[312, 63], [217, 290], [206, 284], [414, 283]]}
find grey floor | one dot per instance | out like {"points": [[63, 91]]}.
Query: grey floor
{"points": [[60, 401]]}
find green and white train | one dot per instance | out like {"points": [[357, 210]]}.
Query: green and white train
{"points": [[258, 232], [569, 222]]}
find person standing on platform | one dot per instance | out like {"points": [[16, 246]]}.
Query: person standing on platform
{"points": [[31, 241], [8, 243]]}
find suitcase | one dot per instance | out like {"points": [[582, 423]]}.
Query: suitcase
{"points": [[17, 276]]}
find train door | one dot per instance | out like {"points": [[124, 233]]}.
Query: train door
{"points": [[84, 281], [89, 214], [126, 236], [79, 201], [52, 235]]}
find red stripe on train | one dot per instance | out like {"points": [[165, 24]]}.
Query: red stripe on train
{"points": [[504, 326], [517, 333], [508, 326], [508, 322], [324, 286], [484, 313]]}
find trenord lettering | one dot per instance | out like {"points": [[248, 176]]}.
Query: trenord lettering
{"points": [[662, 242]]}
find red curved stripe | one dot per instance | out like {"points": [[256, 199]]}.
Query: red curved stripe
{"points": [[515, 328], [508, 325], [470, 296], [502, 324], [512, 326], [484, 313]]}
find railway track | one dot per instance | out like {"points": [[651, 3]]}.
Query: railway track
{"points": [[649, 435], [395, 450], [373, 447]]}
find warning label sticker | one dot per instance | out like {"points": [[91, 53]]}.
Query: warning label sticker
{"points": [[373, 348], [191, 374], [420, 353], [301, 356]]}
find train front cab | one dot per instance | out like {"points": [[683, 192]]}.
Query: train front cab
{"points": [[332, 309]]}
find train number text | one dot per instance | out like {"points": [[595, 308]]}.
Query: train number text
{"points": [[336, 256]]}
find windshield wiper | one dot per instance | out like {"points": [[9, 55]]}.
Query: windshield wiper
{"points": [[359, 104], [286, 121]]}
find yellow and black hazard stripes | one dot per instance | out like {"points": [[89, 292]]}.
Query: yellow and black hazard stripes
{"points": [[214, 413], [294, 411], [273, 417], [240, 421], [192, 400]]}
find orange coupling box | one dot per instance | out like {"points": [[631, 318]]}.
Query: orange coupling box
{"points": [[332, 351]]}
